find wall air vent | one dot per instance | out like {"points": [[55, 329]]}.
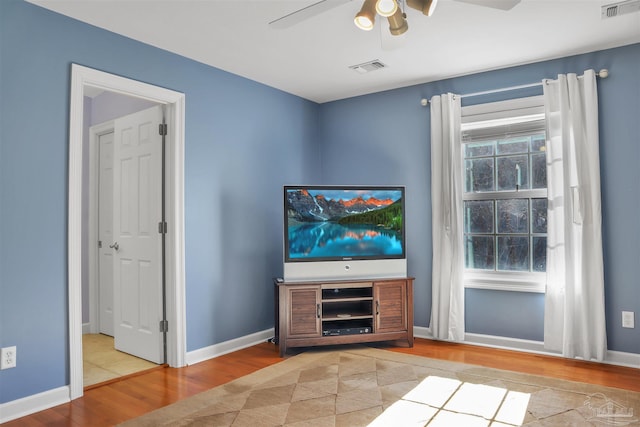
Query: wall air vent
{"points": [[370, 66], [620, 8]]}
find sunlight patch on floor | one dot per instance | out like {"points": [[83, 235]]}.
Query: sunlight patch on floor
{"points": [[439, 402]]}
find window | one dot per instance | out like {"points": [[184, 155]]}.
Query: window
{"points": [[505, 195]]}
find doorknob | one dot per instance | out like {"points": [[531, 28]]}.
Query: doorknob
{"points": [[115, 246]]}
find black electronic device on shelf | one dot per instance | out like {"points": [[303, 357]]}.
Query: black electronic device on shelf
{"points": [[338, 328]]}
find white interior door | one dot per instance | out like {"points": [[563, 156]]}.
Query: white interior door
{"points": [[137, 246], [105, 234]]}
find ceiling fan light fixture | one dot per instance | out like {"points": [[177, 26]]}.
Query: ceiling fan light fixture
{"points": [[429, 7], [386, 8], [425, 6], [398, 23], [367, 15]]}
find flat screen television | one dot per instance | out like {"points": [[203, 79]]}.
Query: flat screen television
{"points": [[344, 232]]}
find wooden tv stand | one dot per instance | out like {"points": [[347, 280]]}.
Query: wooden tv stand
{"points": [[343, 312]]}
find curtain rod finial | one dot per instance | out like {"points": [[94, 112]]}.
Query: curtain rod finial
{"points": [[424, 102], [603, 74]]}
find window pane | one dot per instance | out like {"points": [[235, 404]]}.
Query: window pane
{"points": [[479, 252], [513, 253], [505, 235], [513, 216], [479, 149], [513, 146], [478, 216], [538, 215], [479, 175], [539, 170], [538, 143], [512, 171], [540, 254]]}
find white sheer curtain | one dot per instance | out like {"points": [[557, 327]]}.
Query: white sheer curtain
{"points": [[447, 305], [574, 302]]}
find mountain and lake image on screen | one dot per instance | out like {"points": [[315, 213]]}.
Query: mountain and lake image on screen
{"points": [[344, 223]]}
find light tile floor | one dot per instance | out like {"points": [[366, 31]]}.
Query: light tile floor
{"points": [[102, 362]]}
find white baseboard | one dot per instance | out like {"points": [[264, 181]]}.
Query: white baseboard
{"points": [[216, 350], [619, 358], [508, 343], [631, 360], [34, 403], [86, 328], [489, 341], [422, 332]]}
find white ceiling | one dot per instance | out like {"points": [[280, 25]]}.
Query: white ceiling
{"points": [[312, 59]]}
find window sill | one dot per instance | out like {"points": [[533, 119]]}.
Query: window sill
{"points": [[514, 282]]}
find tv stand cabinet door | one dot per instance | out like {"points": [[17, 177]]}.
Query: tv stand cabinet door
{"points": [[390, 299], [303, 312]]}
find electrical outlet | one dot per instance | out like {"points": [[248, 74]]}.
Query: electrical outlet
{"points": [[8, 357], [628, 320]]}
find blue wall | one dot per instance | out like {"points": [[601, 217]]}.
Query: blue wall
{"points": [[243, 142], [389, 132]]}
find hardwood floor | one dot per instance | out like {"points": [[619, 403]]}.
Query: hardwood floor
{"points": [[134, 396]]}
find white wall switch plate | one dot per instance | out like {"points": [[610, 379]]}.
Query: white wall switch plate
{"points": [[628, 319]]}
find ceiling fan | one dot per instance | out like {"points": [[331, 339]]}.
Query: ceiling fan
{"points": [[390, 9]]}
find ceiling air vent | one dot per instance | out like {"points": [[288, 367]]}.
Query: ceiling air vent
{"points": [[621, 8], [370, 66]]}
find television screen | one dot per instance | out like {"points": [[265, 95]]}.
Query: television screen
{"points": [[327, 223]]}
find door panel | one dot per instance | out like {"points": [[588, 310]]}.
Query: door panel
{"points": [[138, 254], [391, 306], [304, 312]]}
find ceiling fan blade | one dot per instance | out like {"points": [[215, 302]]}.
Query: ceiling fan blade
{"points": [[305, 13], [495, 4]]}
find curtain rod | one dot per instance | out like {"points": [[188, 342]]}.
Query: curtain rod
{"points": [[604, 73]]}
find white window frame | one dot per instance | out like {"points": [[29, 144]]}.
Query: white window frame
{"points": [[514, 113]]}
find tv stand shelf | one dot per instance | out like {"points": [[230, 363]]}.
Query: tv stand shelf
{"points": [[343, 312]]}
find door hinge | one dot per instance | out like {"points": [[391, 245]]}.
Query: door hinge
{"points": [[162, 128], [162, 227], [164, 326]]}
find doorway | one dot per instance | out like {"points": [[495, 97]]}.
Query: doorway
{"points": [[122, 290], [85, 79]]}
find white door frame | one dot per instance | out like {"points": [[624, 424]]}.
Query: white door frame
{"points": [[82, 77]]}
